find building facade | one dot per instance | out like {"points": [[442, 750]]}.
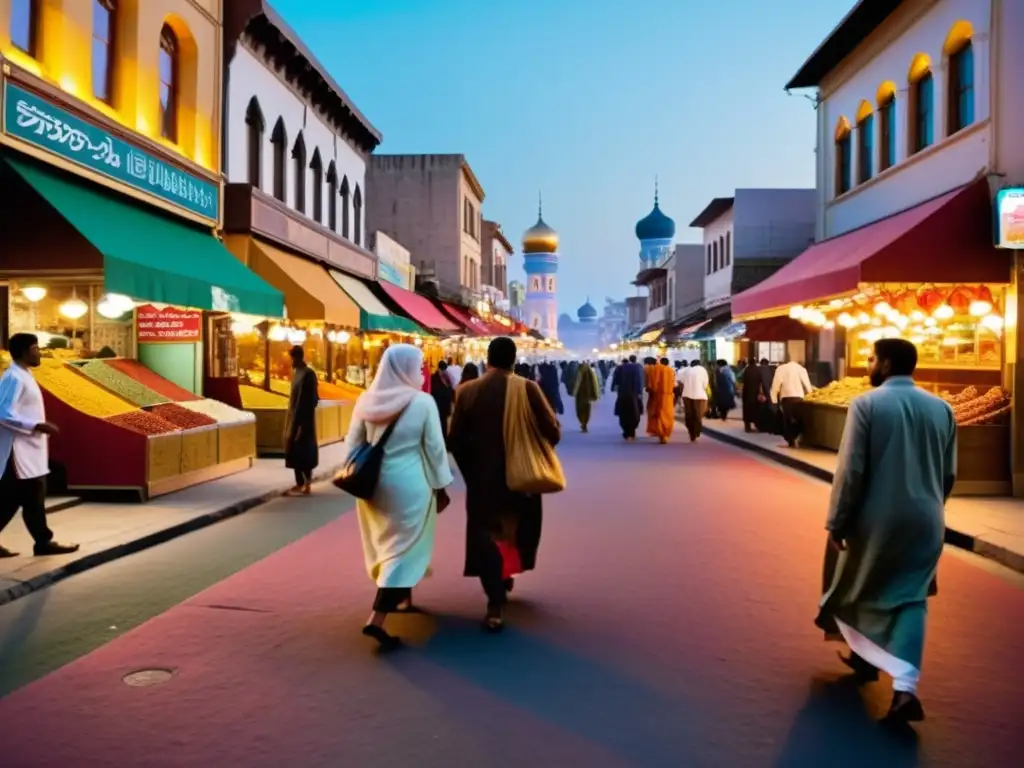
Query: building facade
{"points": [[686, 295], [432, 205], [394, 261], [656, 233], [516, 299], [540, 261], [495, 252], [612, 324]]}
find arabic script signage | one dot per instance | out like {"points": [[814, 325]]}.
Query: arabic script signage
{"points": [[168, 325], [1010, 218], [34, 120]]}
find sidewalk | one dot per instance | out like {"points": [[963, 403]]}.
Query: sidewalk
{"points": [[109, 531], [991, 527]]}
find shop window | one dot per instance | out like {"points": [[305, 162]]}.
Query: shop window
{"points": [[865, 148], [103, 25], [708, 271], [714, 256], [279, 141], [317, 167], [887, 131], [961, 88], [357, 216], [345, 196], [844, 163], [332, 197], [721, 250], [299, 156], [170, 85], [922, 100], [254, 128], [25, 26]]}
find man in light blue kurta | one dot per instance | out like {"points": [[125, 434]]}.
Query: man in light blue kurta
{"points": [[897, 465]]}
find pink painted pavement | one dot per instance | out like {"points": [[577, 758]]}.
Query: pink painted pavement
{"points": [[668, 624]]}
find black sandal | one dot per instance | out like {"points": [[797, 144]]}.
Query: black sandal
{"points": [[5, 552], [387, 641], [493, 621]]}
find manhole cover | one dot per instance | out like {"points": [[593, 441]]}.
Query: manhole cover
{"points": [[147, 677]]}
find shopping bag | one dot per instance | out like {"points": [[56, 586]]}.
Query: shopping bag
{"points": [[531, 465], [511, 565]]}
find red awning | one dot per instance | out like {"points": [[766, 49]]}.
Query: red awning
{"points": [[472, 322], [418, 308], [945, 240], [775, 329]]}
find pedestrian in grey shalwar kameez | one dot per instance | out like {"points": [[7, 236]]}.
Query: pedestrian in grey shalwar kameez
{"points": [[897, 466]]}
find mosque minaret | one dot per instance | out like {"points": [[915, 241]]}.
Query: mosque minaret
{"points": [[540, 257]]}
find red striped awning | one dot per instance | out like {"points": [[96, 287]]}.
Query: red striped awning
{"points": [[419, 308]]}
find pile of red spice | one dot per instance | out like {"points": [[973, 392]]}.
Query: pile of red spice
{"points": [[153, 381], [143, 423], [181, 417]]}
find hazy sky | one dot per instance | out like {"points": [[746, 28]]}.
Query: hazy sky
{"points": [[586, 100]]}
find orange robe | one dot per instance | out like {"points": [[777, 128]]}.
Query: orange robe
{"points": [[661, 417]]}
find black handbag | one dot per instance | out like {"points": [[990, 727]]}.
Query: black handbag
{"points": [[361, 472]]}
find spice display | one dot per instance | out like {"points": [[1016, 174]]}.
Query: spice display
{"points": [[79, 392], [182, 417], [966, 394], [143, 423], [993, 407], [253, 397], [150, 380], [328, 391], [220, 412], [121, 384], [840, 392]]}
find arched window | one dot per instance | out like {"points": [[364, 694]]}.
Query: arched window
{"points": [[279, 140], [25, 26], [357, 216], [922, 104], [728, 248], [103, 25], [254, 128], [317, 167], [332, 197], [170, 83], [961, 88], [865, 142], [887, 126], [714, 256], [299, 156], [345, 197], [844, 157]]}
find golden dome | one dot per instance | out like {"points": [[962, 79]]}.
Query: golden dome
{"points": [[540, 238]]}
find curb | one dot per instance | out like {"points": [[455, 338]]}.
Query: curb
{"points": [[95, 559], [1006, 557]]}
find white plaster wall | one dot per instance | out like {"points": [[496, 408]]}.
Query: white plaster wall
{"points": [[920, 27], [718, 284], [250, 77], [772, 223]]}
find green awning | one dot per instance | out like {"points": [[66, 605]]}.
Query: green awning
{"points": [[373, 315], [149, 256]]}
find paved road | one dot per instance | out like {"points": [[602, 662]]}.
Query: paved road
{"points": [[669, 624]]}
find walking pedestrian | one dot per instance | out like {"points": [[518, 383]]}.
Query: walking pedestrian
{"points": [[397, 525], [628, 385], [724, 390], [503, 528], [754, 396], [789, 386], [301, 451], [661, 418], [586, 391], [549, 385], [443, 394], [469, 373], [695, 398], [897, 466], [24, 448]]}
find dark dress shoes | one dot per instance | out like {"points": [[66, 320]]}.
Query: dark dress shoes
{"points": [[53, 548], [905, 708]]}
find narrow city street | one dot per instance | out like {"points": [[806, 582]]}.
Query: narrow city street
{"points": [[669, 623]]}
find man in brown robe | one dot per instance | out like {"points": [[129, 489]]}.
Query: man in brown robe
{"points": [[495, 516]]}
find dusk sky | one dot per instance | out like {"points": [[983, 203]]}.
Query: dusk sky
{"points": [[586, 101]]}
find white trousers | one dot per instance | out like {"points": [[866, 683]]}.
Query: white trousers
{"points": [[905, 675]]}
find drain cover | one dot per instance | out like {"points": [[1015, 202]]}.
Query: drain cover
{"points": [[146, 677]]}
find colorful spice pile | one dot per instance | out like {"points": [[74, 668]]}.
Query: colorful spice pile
{"points": [[182, 417], [215, 409], [146, 377], [253, 397], [121, 384], [143, 423], [994, 407], [77, 391]]}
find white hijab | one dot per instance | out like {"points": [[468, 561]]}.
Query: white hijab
{"points": [[399, 379]]}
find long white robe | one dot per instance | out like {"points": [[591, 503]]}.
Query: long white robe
{"points": [[397, 525]]}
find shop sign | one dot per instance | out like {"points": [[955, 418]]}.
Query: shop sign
{"points": [[34, 120], [1010, 218], [168, 325]]}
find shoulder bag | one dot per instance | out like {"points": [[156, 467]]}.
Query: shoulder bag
{"points": [[531, 465], [361, 472]]}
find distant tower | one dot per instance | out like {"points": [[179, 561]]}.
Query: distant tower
{"points": [[587, 314], [540, 257], [655, 232]]}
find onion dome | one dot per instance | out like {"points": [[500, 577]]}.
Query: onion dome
{"points": [[655, 225], [540, 238], [586, 313]]}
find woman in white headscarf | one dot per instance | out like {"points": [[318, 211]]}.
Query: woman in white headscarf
{"points": [[397, 525]]}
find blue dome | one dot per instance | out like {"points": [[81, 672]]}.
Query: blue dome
{"points": [[587, 312], [655, 226]]}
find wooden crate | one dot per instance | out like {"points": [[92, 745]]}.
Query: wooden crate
{"points": [[236, 441], [983, 461], [823, 425], [270, 424], [328, 428], [199, 449], [163, 457], [345, 417]]}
